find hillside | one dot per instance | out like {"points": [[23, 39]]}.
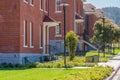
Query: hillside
{"points": [[113, 13]]}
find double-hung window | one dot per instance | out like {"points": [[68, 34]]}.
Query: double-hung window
{"points": [[41, 37], [25, 33], [41, 4], [58, 8], [31, 2], [58, 30], [31, 35]]}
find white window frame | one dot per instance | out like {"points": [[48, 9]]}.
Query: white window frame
{"points": [[45, 8], [24, 33], [56, 10], [41, 45], [31, 35], [25, 1], [57, 31], [41, 6], [32, 4]]}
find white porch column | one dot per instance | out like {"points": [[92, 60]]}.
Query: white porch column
{"points": [[44, 39]]}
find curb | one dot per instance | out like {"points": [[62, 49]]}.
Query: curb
{"points": [[113, 73]]}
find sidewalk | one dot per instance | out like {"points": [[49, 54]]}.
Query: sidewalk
{"points": [[115, 63]]}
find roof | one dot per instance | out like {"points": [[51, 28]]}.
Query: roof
{"points": [[48, 19], [78, 17], [89, 8], [99, 12]]}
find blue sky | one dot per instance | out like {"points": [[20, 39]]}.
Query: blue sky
{"points": [[104, 3]]}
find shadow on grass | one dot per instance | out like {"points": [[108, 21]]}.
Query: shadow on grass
{"points": [[13, 68]]}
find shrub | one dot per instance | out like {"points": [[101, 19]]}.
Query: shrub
{"points": [[31, 65], [10, 65], [7, 65], [71, 43], [95, 73], [19, 65]]}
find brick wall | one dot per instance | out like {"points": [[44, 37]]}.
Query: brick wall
{"points": [[9, 26]]}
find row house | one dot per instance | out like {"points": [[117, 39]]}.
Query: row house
{"points": [[74, 22], [91, 15], [29, 27]]}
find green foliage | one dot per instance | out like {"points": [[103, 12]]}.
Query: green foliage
{"points": [[95, 73], [71, 43], [102, 33], [19, 66], [30, 65], [78, 61], [6, 65]]}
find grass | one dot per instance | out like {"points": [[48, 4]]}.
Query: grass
{"points": [[107, 55], [36, 74], [56, 74], [91, 53]]}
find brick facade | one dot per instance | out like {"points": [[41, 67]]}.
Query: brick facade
{"points": [[9, 26], [16, 14]]}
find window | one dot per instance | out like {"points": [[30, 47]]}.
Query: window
{"points": [[58, 8], [58, 30], [25, 34], [45, 5], [31, 35], [31, 2], [41, 4], [41, 37], [25, 1]]}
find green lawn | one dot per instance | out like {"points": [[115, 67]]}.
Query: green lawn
{"points": [[91, 53], [36, 74], [95, 73]]}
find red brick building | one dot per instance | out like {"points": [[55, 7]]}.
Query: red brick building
{"points": [[74, 22], [27, 27], [91, 15]]}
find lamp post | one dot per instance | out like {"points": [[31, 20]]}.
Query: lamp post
{"points": [[64, 11], [110, 36], [98, 43], [104, 35]]}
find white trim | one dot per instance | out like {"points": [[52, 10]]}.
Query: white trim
{"points": [[25, 1], [40, 41], [57, 31], [24, 33], [31, 35], [44, 39], [45, 8], [58, 35], [41, 8], [56, 11], [31, 3]]}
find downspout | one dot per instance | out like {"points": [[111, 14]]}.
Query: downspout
{"points": [[74, 15]]}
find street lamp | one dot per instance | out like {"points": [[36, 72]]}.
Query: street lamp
{"points": [[110, 36], [64, 11], [104, 34], [98, 43]]}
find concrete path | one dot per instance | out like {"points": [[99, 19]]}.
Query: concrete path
{"points": [[115, 63]]}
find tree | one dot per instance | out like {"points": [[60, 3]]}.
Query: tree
{"points": [[116, 35], [71, 43], [102, 34]]}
